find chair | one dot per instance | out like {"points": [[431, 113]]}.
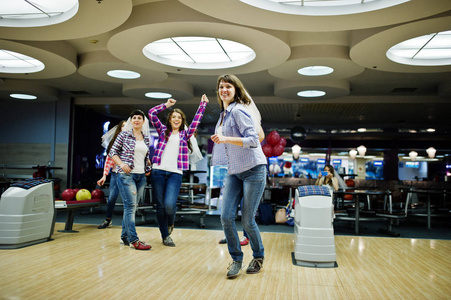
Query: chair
{"points": [[392, 213], [313, 228]]}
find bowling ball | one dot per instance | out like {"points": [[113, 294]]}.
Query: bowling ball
{"points": [[68, 194], [83, 194], [97, 194]]}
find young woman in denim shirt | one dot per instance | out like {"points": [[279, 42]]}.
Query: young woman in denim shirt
{"points": [[237, 145]]}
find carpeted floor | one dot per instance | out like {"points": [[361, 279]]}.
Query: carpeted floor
{"points": [[411, 228]]}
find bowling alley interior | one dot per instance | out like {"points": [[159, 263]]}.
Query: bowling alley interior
{"points": [[357, 92]]}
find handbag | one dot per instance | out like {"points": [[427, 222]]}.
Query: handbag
{"points": [[281, 216]]}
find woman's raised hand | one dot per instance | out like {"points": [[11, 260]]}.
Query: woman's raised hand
{"points": [[204, 98], [170, 102]]}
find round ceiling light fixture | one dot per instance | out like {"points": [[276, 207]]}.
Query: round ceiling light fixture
{"points": [[428, 50], [199, 52], [36, 13], [123, 74], [14, 62], [158, 95], [23, 96], [323, 7], [315, 70], [311, 93]]}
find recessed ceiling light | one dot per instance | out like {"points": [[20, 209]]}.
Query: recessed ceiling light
{"points": [[430, 130], [428, 50], [199, 52], [322, 7], [315, 70], [13, 62], [158, 95], [361, 129], [123, 74], [36, 13], [23, 96], [311, 93]]}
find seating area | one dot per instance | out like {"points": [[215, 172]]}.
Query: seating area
{"points": [[378, 200]]}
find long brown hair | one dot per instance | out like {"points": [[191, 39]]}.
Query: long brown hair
{"points": [[241, 95], [116, 133], [182, 127]]}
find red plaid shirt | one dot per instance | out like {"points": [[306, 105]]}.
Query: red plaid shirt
{"points": [[109, 163]]}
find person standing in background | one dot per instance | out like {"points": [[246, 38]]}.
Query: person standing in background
{"points": [[109, 164]]}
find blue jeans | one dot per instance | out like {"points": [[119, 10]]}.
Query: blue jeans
{"points": [[165, 191], [112, 197], [250, 186], [131, 187]]}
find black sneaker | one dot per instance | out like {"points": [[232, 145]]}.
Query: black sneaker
{"points": [[234, 269], [105, 224], [125, 241], [168, 242], [255, 266]]}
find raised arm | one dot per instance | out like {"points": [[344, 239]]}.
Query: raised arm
{"points": [[197, 117], [153, 112]]}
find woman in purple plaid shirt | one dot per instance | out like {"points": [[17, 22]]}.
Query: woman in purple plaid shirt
{"points": [[237, 145], [171, 158]]}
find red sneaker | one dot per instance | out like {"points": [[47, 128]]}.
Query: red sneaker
{"points": [[244, 241], [141, 246]]}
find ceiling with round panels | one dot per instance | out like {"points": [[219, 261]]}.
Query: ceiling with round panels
{"points": [[263, 46]]}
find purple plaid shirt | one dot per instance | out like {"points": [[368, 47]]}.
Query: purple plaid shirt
{"points": [[183, 158], [124, 147]]}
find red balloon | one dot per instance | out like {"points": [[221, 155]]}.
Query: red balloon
{"points": [[97, 194], [273, 138], [277, 150], [267, 150], [68, 194], [283, 141]]}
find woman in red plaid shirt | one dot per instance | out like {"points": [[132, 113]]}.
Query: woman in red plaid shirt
{"points": [[109, 165]]}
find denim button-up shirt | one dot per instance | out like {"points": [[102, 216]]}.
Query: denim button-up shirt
{"points": [[237, 122], [124, 147], [183, 157]]}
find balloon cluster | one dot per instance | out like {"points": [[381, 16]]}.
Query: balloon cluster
{"points": [[275, 144]]}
